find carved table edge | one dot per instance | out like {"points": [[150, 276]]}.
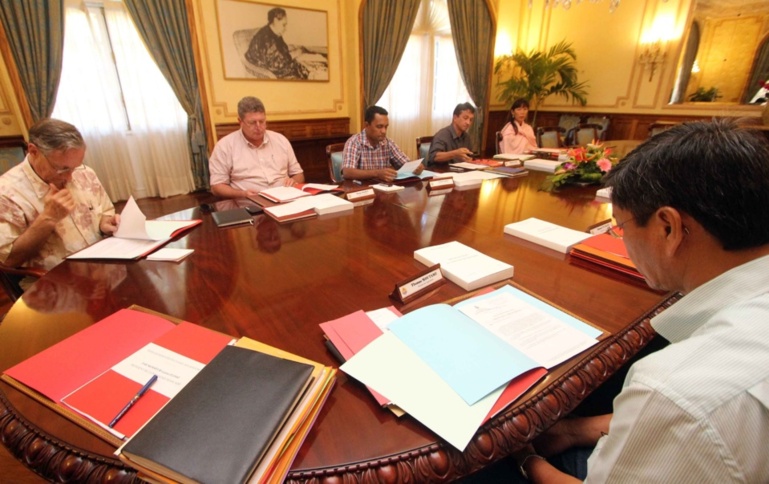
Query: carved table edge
{"points": [[52, 459]]}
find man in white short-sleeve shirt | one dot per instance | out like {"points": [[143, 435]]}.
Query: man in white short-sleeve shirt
{"points": [[252, 158]]}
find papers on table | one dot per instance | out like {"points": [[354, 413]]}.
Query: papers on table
{"points": [[447, 370], [283, 194], [322, 204], [170, 254], [546, 234], [384, 187], [473, 178], [464, 265], [538, 164], [513, 156], [135, 237]]}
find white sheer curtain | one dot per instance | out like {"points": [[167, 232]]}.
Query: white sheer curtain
{"points": [[133, 124], [427, 85]]}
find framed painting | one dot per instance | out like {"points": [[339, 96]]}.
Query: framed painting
{"points": [[271, 42]]}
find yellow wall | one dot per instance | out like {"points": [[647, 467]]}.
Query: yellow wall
{"points": [[607, 45]]}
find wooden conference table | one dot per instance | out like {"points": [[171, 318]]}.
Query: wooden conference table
{"points": [[276, 283]]}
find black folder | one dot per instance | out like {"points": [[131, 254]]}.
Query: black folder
{"points": [[218, 427], [235, 216]]}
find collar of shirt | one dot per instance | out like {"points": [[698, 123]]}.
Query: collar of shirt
{"points": [[368, 144], [41, 187], [251, 145], [695, 309]]}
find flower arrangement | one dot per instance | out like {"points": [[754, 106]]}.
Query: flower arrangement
{"points": [[586, 164]]}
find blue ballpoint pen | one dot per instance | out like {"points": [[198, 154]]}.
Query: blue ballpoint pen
{"points": [[136, 397]]}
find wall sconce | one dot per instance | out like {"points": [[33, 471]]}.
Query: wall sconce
{"points": [[653, 56]]}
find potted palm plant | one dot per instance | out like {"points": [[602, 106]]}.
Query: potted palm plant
{"points": [[537, 75]]}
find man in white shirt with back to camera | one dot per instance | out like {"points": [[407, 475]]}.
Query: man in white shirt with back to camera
{"points": [[253, 158], [692, 206]]}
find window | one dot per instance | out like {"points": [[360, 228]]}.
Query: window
{"points": [[429, 63], [111, 89]]}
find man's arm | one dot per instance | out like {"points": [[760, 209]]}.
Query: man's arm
{"points": [[385, 174], [223, 190], [57, 205], [462, 154]]}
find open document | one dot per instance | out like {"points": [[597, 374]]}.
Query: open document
{"points": [[135, 237], [446, 366]]}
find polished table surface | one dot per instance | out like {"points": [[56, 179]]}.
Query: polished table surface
{"points": [[277, 282]]}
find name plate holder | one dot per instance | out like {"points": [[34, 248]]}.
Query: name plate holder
{"points": [[362, 195], [439, 186], [600, 228], [412, 288]]}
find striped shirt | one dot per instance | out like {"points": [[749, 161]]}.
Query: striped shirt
{"points": [[698, 410], [360, 154]]}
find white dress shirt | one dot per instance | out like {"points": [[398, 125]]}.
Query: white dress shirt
{"points": [[698, 410]]}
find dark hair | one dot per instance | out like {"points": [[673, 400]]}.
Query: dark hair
{"points": [[371, 111], [275, 13], [51, 134], [463, 107], [250, 104], [518, 103], [716, 172]]}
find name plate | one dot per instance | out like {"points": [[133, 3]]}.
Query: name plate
{"points": [[600, 227], [441, 183], [414, 287], [360, 195]]}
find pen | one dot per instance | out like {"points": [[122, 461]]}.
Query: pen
{"points": [[136, 397]]}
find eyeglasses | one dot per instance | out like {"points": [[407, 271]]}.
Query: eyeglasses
{"points": [[616, 229], [61, 171]]}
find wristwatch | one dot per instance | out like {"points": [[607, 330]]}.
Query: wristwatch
{"points": [[523, 463]]}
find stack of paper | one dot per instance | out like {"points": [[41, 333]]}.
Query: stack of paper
{"points": [[471, 179], [306, 207], [448, 366], [538, 164], [283, 194], [464, 266], [135, 237], [513, 157], [546, 234], [607, 252]]}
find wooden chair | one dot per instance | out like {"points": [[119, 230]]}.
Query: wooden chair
{"points": [[550, 136], [659, 126], [13, 149], [11, 277], [603, 125], [498, 144], [569, 124], [586, 133], [335, 160], [423, 146]]}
